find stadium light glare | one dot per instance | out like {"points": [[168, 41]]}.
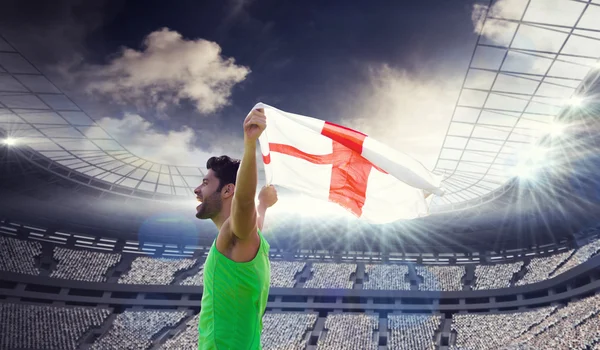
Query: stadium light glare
{"points": [[524, 171], [529, 161], [556, 129], [535, 154], [575, 101], [9, 141]]}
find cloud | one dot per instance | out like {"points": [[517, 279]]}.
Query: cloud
{"points": [[506, 13], [166, 71], [237, 8], [509, 9], [175, 147], [409, 112]]}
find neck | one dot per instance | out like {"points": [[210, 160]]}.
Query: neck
{"points": [[220, 219]]}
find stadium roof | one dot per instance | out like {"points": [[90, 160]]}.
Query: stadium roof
{"points": [[529, 61], [528, 67], [34, 112]]}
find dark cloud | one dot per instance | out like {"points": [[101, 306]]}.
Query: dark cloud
{"points": [[51, 31]]}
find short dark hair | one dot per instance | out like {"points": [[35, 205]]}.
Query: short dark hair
{"points": [[225, 169]]}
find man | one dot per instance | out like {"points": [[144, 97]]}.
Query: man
{"points": [[237, 271]]}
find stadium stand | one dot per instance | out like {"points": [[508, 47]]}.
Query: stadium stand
{"points": [[147, 270], [329, 275], [495, 276], [187, 339], [492, 331], [574, 326], [46, 327], [539, 269], [135, 329], [349, 332], [283, 273], [386, 277], [83, 265], [581, 255], [412, 331], [443, 278], [19, 255], [286, 330], [195, 280]]}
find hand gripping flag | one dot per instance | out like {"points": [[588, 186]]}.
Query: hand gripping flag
{"points": [[331, 162]]}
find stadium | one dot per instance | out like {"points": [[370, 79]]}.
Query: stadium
{"points": [[99, 250]]}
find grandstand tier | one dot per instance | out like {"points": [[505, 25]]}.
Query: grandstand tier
{"points": [[570, 325], [92, 261], [118, 298]]}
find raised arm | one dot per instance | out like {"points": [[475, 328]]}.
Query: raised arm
{"points": [[266, 198], [243, 208]]}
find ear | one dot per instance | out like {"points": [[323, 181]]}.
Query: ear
{"points": [[227, 191]]}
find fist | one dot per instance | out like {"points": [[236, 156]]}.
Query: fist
{"points": [[267, 196], [254, 124]]}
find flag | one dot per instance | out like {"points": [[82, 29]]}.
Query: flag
{"points": [[334, 163]]}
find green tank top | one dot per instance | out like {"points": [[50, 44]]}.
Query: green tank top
{"points": [[234, 300]]}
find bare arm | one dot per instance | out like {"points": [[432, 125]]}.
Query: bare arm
{"points": [[262, 212], [266, 199], [243, 209]]}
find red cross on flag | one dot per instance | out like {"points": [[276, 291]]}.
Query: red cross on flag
{"points": [[331, 162]]}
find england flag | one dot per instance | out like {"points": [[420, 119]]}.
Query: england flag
{"points": [[337, 164]]}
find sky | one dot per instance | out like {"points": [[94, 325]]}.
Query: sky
{"points": [[173, 81]]}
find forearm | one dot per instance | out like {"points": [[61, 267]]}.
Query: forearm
{"points": [[247, 177], [261, 210]]}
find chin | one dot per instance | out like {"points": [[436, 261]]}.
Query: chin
{"points": [[202, 215]]}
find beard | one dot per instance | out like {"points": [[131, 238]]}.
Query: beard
{"points": [[210, 207]]}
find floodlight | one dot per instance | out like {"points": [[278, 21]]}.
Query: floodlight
{"points": [[529, 161], [535, 154], [524, 171], [9, 141], [556, 129], [575, 101]]}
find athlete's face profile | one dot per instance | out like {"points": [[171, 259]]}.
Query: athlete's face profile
{"points": [[209, 197]]}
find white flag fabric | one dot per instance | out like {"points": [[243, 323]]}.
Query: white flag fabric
{"points": [[331, 162]]}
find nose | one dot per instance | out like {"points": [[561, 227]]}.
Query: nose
{"points": [[197, 191]]}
